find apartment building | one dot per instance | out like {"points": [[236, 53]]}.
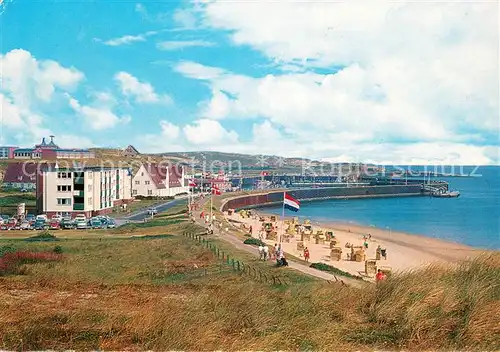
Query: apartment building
{"points": [[90, 190]]}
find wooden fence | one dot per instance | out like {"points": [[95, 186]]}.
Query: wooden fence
{"points": [[235, 264]]}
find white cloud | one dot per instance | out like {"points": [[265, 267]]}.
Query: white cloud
{"points": [[27, 86], [99, 117], [205, 132], [127, 39], [26, 79], [182, 44], [156, 18], [169, 130], [198, 71], [142, 92], [406, 75]]}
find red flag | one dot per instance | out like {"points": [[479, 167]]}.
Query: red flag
{"points": [[192, 183]]}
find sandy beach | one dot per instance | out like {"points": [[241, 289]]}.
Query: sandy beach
{"points": [[404, 251]]}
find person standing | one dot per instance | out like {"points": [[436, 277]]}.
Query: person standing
{"points": [[306, 254], [261, 252], [266, 252], [380, 276]]}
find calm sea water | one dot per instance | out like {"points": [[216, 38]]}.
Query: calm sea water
{"points": [[472, 219]]}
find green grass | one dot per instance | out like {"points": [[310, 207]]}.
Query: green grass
{"points": [[168, 292], [331, 269], [13, 200]]}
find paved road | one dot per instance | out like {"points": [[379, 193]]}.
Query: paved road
{"points": [[292, 264], [142, 214]]}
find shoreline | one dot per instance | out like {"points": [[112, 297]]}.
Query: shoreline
{"points": [[404, 251]]}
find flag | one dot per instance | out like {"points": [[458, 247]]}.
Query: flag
{"points": [[291, 203], [192, 183], [215, 190]]}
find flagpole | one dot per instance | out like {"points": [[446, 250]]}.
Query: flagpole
{"points": [[211, 196], [282, 217]]}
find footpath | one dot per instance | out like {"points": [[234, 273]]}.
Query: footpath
{"points": [[236, 242]]}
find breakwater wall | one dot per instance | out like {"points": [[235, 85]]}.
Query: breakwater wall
{"points": [[275, 197]]}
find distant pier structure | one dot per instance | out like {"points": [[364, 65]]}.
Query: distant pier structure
{"points": [[307, 181]]}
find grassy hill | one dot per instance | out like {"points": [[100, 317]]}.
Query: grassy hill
{"points": [[160, 290]]}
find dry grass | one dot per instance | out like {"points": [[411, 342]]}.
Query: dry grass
{"points": [[137, 294]]}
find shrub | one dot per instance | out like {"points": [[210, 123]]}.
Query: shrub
{"points": [[332, 269], [10, 262], [58, 249], [254, 242], [42, 237]]}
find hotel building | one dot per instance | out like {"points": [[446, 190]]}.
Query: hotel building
{"points": [[157, 180], [90, 191]]}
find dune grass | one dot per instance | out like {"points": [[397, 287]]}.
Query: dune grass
{"points": [[146, 293]]}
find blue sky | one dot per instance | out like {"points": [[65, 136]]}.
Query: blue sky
{"points": [[387, 83]]}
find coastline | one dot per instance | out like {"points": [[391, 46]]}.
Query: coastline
{"points": [[404, 251]]}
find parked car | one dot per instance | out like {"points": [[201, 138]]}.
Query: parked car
{"points": [[54, 225], [5, 218], [67, 223], [25, 225], [56, 218], [95, 223], [80, 224], [41, 224], [24, 190], [31, 218], [42, 217], [111, 224], [11, 223]]}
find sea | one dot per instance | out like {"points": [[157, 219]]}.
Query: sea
{"points": [[472, 219]]}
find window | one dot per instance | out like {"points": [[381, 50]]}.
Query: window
{"points": [[137, 182], [63, 201], [89, 201], [147, 182], [134, 192], [89, 188], [64, 188], [142, 173], [150, 192]]}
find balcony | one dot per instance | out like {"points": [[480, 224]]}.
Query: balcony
{"points": [[78, 206], [79, 181], [78, 193]]}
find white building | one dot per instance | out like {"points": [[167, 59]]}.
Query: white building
{"points": [[157, 180], [90, 191]]}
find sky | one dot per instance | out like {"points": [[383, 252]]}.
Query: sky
{"points": [[383, 82]]}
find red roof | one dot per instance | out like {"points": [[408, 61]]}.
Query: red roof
{"points": [[23, 172], [158, 174]]}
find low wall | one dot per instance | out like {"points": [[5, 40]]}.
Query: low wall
{"points": [[311, 194]]}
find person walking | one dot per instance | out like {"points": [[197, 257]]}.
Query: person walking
{"points": [[266, 252]]}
